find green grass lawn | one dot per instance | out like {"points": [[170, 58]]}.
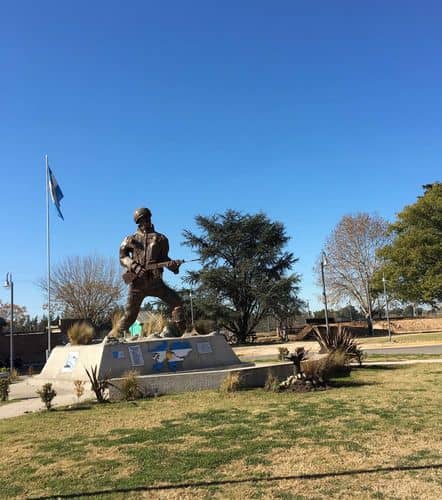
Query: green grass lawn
{"points": [[250, 444]]}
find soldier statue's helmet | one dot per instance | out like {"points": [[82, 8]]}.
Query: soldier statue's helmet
{"points": [[140, 213]]}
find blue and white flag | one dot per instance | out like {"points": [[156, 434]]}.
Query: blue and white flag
{"points": [[56, 193]]}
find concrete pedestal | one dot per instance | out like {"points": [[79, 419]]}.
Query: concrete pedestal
{"points": [[164, 365]]}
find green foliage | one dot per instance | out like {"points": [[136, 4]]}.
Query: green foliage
{"points": [[47, 394], [244, 265], [81, 333], [413, 261], [5, 382], [130, 388]]}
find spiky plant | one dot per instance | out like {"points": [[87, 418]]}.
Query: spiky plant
{"points": [[339, 339], [98, 385]]}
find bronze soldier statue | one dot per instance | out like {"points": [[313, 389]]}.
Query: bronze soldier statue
{"points": [[144, 255]]}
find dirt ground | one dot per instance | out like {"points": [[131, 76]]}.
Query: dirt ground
{"points": [[411, 325]]}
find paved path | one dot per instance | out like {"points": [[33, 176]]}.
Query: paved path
{"points": [[23, 399], [267, 352], [425, 349]]}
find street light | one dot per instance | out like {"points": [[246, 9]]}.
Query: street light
{"points": [[323, 264], [191, 309], [10, 284], [386, 306]]}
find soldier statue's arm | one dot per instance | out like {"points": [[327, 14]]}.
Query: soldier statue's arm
{"points": [[126, 260], [174, 266]]}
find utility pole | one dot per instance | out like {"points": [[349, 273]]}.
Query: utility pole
{"points": [[191, 309], [10, 284], [386, 307], [323, 264]]}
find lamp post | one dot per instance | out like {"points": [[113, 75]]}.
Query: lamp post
{"points": [[191, 309], [386, 306], [10, 284], [323, 264]]}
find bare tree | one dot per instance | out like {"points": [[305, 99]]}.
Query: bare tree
{"points": [[85, 287], [352, 261]]}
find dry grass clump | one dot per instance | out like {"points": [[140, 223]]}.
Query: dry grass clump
{"points": [[272, 383], [115, 319], [81, 333], [130, 389], [231, 383], [154, 324]]}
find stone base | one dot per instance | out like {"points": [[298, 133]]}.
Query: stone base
{"points": [[172, 383], [151, 356]]}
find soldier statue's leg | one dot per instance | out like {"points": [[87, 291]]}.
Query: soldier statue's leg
{"points": [[135, 297], [159, 289]]}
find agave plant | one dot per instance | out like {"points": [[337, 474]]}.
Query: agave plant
{"points": [[339, 339], [98, 385]]}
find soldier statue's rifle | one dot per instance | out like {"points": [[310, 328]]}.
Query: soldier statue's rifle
{"points": [[129, 276]]}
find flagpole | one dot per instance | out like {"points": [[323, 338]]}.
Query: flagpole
{"points": [[48, 257]]}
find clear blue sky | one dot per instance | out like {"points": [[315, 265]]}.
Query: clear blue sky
{"points": [[305, 110]]}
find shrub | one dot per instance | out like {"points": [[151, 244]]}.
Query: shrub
{"points": [[204, 326], [339, 339], [47, 394], [81, 333], [79, 389], [272, 383], [130, 388], [231, 383], [283, 352], [324, 368], [154, 324], [98, 385], [5, 382]]}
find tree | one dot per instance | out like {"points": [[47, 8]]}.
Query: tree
{"points": [[352, 261], [288, 306], [21, 317], [244, 265], [86, 288], [413, 259]]}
